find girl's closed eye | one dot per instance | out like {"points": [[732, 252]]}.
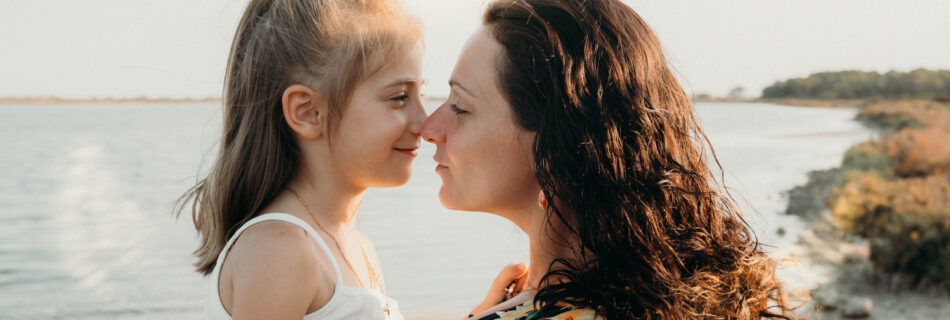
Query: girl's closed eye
{"points": [[400, 97]]}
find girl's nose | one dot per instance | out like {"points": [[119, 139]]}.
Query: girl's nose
{"points": [[417, 117]]}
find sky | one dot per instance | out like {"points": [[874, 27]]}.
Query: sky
{"points": [[178, 48]]}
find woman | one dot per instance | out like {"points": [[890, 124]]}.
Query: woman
{"points": [[565, 119]]}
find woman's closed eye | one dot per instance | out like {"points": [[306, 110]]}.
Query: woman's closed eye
{"points": [[455, 108]]}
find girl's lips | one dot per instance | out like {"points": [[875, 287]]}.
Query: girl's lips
{"points": [[440, 167]]}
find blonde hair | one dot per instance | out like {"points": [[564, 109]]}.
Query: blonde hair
{"points": [[328, 45]]}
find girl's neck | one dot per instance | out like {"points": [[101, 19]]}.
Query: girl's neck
{"points": [[334, 205]]}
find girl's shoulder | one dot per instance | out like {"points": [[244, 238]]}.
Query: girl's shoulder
{"points": [[277, 260], [557, 311], [278, 250], [273, 239]]}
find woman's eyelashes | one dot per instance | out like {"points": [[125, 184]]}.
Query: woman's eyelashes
{"points": [[455, 108]]}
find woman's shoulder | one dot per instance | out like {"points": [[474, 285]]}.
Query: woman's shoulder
{"points": [[556, 311]]}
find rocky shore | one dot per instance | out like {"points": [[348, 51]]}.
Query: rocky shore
{"points": [[856, 289]]}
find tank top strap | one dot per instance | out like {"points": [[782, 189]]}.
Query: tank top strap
{"points": [[296, 221]]}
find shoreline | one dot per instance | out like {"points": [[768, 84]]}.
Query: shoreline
{"points": [[854, 283], [791, 102], [854, 280], [61, 101]]}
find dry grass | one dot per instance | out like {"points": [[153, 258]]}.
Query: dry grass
{"points": [[900, 114], [906, 220], [896, 192], [920, 152]]}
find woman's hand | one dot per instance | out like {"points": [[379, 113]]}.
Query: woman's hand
{"points": [[511, 276]]}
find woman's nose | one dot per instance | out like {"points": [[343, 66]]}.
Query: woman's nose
{"points": [[433, 130]]}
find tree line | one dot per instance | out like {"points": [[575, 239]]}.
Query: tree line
{"points": [[920, 83]]}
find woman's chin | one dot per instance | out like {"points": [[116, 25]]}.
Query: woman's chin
{"points": [[448, 201]]}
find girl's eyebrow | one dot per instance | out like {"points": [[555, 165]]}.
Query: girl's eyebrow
{"points": [[403, 81], [454, 83]]}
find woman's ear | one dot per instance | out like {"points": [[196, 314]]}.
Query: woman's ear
{"points": [[542, 200], [305, 111]]}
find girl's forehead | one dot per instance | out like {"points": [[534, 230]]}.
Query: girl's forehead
{"points": [[409, 61]]}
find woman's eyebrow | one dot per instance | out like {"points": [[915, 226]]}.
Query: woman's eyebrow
{"points": [[454, 83]]}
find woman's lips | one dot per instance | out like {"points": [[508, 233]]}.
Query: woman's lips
{"points": [[408, 151], [439, 166]]}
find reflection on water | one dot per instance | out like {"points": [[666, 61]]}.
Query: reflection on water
{"points": [[85, 221], [86, 195]]}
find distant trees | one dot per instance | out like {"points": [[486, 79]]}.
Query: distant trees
{"points": [[920, 83]]}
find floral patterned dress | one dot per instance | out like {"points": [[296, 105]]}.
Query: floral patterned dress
{"points": [[558, 311]]}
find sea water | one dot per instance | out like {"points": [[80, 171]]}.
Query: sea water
{"points": [[86, 194]]}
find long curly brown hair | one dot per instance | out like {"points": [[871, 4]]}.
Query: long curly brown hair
{"points": [[619, 152]]}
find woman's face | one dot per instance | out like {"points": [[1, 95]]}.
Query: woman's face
{"points": [[378, 133], [484, 158]]}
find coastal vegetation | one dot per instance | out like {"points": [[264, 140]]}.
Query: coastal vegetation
{"points": [[920, 83], [895, 190]]}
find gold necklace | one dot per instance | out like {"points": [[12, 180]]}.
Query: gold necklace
{"points": [[374, 277]]}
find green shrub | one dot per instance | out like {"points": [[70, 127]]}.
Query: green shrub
{"points": [[856, 205], [889, 120], [895, 115], [896, 192], [869, 156], [907, 222]]}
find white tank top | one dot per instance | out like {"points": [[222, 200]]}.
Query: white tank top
{"points": [[346, 302]]}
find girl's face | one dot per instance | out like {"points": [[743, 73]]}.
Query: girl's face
{"points": [[377, 136], [484, 158]]}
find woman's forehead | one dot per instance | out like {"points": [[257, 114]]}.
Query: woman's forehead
{"points": [[476, 72]]}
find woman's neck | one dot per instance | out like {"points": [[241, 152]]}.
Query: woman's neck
{"points": [[545, 244]]}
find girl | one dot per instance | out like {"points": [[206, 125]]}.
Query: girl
{"points": [[321, 102], [565, 119]]}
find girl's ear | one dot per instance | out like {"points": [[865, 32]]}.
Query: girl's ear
{"points": [[305, 111]]}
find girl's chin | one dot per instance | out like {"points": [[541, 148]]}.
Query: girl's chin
{"points": [[394, 180]]}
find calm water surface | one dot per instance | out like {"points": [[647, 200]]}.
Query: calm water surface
{"points": [[86, 194]]}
